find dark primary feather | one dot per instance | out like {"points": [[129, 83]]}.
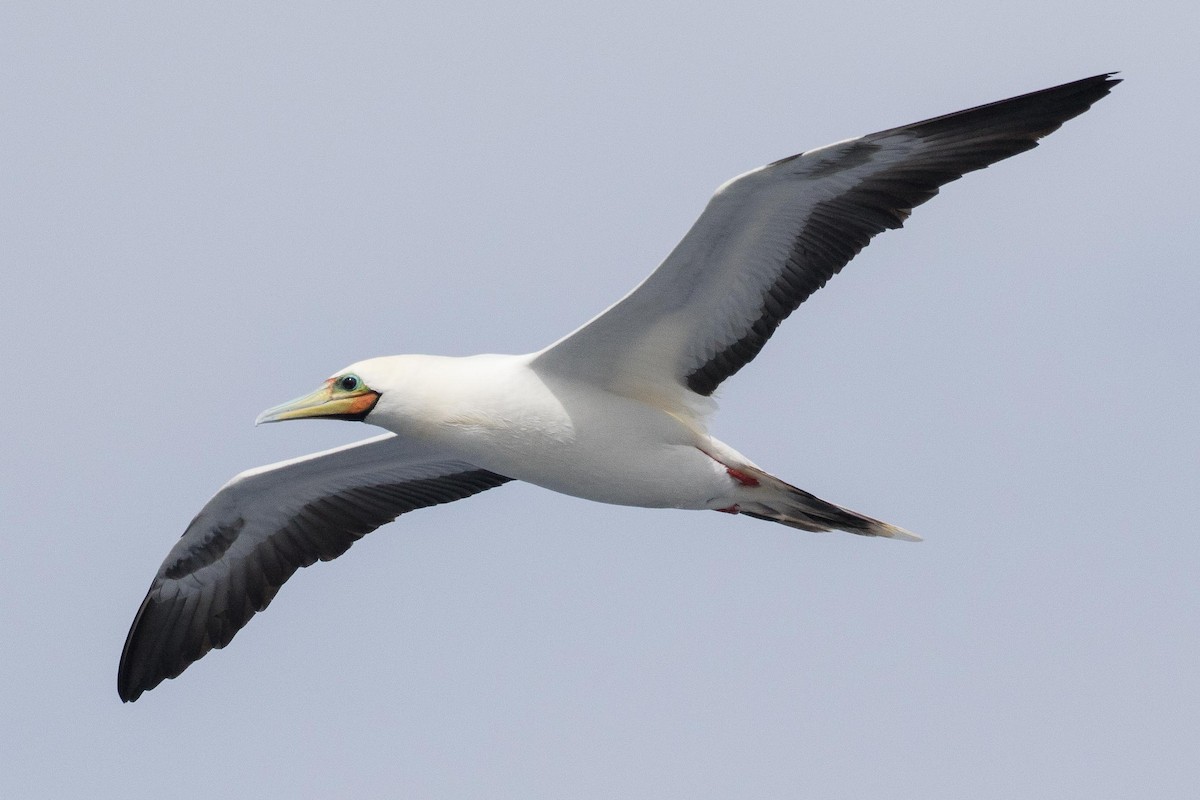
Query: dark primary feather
{"points": [[225, 568], [838, 228]]}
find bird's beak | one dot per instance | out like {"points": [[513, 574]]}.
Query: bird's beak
{"points": [[323, 404]]}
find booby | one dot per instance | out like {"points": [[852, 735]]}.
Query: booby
{"points": [[614, 412]]}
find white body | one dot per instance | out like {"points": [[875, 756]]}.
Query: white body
{"points": [[497, 412]]}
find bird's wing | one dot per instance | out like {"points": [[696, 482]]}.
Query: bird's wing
{"points": [[264, 525], [770, 238]]}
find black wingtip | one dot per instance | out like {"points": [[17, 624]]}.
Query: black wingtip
{"points": [[1099, 85], [1034, 114], [130, 685]]}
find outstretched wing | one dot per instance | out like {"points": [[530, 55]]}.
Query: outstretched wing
{"points": [[770, 238], [264, 525]]}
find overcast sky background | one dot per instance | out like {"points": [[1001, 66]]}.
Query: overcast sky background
{"points": [[208, 208]]}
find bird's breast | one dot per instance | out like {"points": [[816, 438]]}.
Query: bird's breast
{"points": [[567, 436]]}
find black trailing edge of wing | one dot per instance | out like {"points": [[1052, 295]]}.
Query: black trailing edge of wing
{"points": [[838, 228]]}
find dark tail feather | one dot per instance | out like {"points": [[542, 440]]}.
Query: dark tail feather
{"points": [[777, 501]]}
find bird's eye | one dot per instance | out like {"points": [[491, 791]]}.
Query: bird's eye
{"points": [[348, 383]]}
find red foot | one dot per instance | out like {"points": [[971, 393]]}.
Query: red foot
{"points": [[736, 474], [733, 509], [741, 477]]}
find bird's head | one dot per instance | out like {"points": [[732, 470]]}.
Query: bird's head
{"points": [[348, 394]]}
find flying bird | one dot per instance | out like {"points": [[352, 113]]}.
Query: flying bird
{"points": [[614, 412]]}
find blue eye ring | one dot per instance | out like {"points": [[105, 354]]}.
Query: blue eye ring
{"points": [[349, 383]]}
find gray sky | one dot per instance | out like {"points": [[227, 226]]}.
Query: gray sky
{"points": [[208, 209]]}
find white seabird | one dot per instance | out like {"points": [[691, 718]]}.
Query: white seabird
{"points": [[615, 412]]}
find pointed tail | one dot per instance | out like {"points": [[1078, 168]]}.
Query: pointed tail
{"points": [[777, 501]]}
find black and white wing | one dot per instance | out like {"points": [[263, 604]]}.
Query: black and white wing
{"points": [[770, 238], [264, 525]]}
